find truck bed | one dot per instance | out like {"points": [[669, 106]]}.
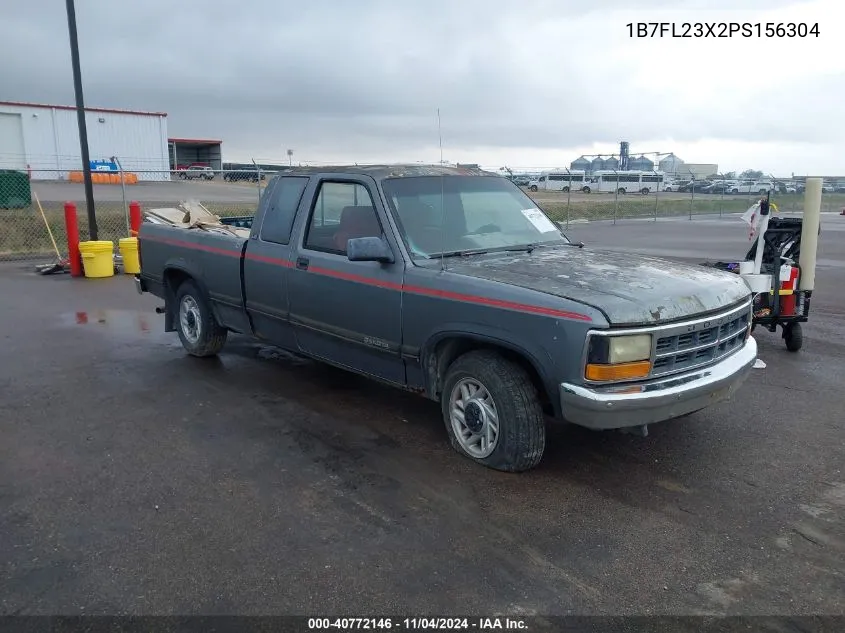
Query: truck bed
{"points": [[203, 254]]}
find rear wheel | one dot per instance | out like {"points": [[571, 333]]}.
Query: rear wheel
{"points": [[621, 190], [586, 190], [565, 190], [199, 331], [793, 336], [533, 187], [492, 412], [644, 191]]}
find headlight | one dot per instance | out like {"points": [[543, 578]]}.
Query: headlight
{"points": [[618, 357]]}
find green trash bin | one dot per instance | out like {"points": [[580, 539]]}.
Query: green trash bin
{"points": [[15, 189]]}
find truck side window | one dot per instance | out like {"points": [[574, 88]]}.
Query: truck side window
{"points": [[278, 219], [343, 211]]}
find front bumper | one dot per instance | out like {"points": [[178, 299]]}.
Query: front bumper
{"points": [[619, 406]]}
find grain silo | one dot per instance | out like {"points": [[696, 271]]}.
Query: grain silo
{"points": [[580, 164], [597, 164], [611, 163], [670, 164], [641, 163]]}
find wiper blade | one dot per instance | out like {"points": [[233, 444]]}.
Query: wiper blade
{"points": [[459, 253], [528, 248]]}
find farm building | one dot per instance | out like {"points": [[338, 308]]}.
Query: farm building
{"points": [[44, 140], [699, 171]]}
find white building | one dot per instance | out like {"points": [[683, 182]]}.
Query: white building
{"points": [[673, 166], [44, 139]]}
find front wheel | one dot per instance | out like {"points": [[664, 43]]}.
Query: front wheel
{"points": [[565, 190], [586, 190], [793, 336], [533, 188], [734, 190], [199, 331], [644, 191], [492, 412], [621, 190]]}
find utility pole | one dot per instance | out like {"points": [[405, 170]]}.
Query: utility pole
{"points": [[80, 116]]}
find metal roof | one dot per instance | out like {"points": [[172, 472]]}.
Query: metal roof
{"points": [[26, 104], [196, 141]]}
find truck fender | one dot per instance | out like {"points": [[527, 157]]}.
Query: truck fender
{"points": [[434, 369], [189, 270]]}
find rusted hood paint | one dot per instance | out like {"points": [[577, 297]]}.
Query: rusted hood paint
{"points": [[629, 289]]}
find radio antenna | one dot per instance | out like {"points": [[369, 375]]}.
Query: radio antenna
{"points": [[440, 136], [442, 202]]}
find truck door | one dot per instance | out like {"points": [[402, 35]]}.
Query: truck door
{"points": [[348, 313], [267, 261]]}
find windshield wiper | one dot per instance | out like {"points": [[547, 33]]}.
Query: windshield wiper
{"points": [[517, 248], [528, 248], [463, 253]]}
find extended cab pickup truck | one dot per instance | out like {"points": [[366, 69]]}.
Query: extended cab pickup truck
{"points": [[452, 283]]}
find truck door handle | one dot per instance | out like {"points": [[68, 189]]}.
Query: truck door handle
{"points": [[302, 263]]}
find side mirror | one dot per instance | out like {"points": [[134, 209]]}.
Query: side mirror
{"points": [[368, 249]]}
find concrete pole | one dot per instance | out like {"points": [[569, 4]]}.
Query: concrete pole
{"points": [[810, 233]]}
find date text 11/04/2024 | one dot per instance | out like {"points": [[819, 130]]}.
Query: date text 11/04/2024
{"points": [[723, 29], [422, 623]]}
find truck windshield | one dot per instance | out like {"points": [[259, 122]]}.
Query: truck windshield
{"points": [[457, 214]]}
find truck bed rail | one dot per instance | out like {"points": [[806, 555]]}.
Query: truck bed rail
{"points": [[239, 222]]}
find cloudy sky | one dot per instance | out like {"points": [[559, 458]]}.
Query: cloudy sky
{"points": [[523, 83]]}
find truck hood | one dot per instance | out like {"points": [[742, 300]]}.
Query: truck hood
{"points": [[629, 289]]}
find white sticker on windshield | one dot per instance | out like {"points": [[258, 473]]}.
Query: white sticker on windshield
{"points": [[540, 221]]}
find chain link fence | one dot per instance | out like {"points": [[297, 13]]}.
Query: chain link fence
{"points": [[28, 204]]}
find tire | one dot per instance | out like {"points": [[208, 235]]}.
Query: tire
{"points": [[199, 331], [793, 337], [585, 190], [521, 437], [644, 191], [183, 176], [762, 192], [734, 190], [565, 190], [533, 188], [621, 190]]}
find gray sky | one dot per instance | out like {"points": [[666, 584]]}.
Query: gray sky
{"points": [[529, 83]]}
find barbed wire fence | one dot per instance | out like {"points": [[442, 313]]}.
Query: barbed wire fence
{"points": [[33, 199]]}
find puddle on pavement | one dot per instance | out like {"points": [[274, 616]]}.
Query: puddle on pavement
{"points": [[118, 322]]}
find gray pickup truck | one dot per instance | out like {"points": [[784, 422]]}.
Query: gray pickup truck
{"points": [[452, 283]]}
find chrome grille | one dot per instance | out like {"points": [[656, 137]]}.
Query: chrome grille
{"points": [[697, 343]]}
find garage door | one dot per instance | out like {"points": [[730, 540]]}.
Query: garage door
{"points": [[12, 152]]}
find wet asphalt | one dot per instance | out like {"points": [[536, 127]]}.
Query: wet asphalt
{"points": [[137, 480]]}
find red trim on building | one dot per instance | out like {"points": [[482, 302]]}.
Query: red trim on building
{"points": [[196, 141], [25, 104]]}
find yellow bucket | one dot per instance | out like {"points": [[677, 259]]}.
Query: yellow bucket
{"points": [[129, 251], [97, 258]]}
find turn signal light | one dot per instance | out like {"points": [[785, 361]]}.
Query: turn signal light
{"points": [[621, 371]]}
